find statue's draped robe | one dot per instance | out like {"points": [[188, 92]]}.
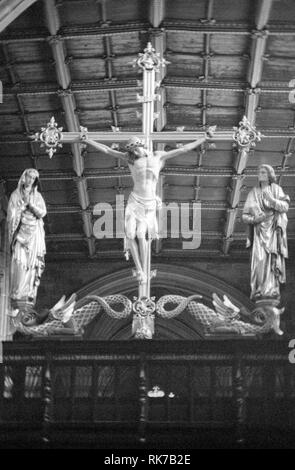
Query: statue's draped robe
{"points": [[268, 240], [27, 242]]}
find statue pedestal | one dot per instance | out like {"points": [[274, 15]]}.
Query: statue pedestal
{"points": [[267, 312]]}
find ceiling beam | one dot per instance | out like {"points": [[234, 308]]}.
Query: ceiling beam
{"points": [[259, 38], [11, 9], [170, 135], [287, 155], [122, 172], [116, 84], [77, 86], [207, 235], [110, 173], [237, 254], [206, 55], [61, 237], [77, 31], [69, 107], [109, 57], [174, 26], [76, 209], [200, 253], [32, 145], [158, 38], [157, 12]]}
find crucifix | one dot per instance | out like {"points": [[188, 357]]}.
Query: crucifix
{"points": [[145, 164]]}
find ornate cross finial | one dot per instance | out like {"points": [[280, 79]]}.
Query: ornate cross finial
{"points": [[50, 137], [246, 135], [150, 59]]}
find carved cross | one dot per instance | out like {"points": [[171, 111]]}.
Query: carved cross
{"points": [[149, 61], [53, 137]]}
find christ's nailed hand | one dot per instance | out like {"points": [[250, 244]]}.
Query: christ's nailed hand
{"points": [[210, 132]]}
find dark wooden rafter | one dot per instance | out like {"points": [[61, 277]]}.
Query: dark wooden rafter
{"points": [[32, 146], [177, 26], [259, 37], [158, 39], [14, 79], [205, 77], [71, 118], [108, 57], [228, 85], [61, 237], [165, 253], [115, 84], [287, 154], [237, 254], [207, 235], [122, 172], [109, 76], [76, 209]]}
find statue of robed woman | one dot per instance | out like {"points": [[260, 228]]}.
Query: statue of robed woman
{"points": [[26, 210], [265, 212]]}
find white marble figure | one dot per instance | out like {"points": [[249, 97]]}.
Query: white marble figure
{"points": [[26, 210], [141, 211], [265, 212]]}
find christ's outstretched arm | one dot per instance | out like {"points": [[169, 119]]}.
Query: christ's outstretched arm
{"points": [[185, 148], [107, 150]]}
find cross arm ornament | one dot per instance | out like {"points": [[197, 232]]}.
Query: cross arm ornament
{"points": [[52, 137]]}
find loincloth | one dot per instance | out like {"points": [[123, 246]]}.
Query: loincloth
{"points": [[143, 211]]}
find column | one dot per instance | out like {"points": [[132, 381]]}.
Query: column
{"points": [[5, 328]]}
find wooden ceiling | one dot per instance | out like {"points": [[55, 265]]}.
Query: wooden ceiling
{"points": [[73, 59]]}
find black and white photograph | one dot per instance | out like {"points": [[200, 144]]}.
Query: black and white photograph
{"points": [[147, 227]]}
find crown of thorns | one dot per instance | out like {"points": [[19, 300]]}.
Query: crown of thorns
{"points": [[133, 143]]}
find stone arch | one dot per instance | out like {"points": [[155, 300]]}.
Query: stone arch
{"points": [[170, 279]]}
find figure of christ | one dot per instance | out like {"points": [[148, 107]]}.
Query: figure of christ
{"points": [[141, 210]]}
